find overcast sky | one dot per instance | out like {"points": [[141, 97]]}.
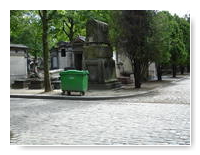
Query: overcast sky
{"points": [[180, 13]]}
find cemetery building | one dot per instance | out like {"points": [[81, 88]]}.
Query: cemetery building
{"points": [[97, 57], [124, 67], [68, 54], [18, 62]]}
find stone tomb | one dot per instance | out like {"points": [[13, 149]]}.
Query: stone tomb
{"points": [[18, 64], [97, 56], [68, 54]]}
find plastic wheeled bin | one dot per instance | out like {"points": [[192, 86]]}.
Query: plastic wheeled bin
{"points": [[74, 81]]}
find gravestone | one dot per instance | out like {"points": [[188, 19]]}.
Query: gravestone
{"points": [[97, 56]]}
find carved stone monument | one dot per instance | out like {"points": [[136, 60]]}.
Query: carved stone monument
{"points": [[97, 56]]}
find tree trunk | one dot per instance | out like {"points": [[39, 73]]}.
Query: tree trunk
{"points": [[159, 72], [137, 73], [47, 82], [182, 68], [188, 68], [174, 70]]}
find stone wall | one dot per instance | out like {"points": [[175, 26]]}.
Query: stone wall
{"points": [[18, 68]]}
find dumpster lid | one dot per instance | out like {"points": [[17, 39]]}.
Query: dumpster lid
{"points": [[83, 72]]}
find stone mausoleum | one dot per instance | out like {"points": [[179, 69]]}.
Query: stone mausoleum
{"points": [[97, 55], [18, 62], [68, 54]]}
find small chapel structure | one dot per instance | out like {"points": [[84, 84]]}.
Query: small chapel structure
{"points": [[68, 54], [18, 62]]}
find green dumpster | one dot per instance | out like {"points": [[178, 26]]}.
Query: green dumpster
{"points": [[74, 81]]}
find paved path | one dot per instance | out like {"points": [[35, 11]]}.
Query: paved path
{"points": [[177, 92], [134, 121]]}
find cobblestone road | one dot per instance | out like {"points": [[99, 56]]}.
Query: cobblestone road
{"points": [[135, 121], [176, 92]]}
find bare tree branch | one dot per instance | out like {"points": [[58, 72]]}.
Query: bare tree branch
{"points": [[65, 23], [64, 29]]}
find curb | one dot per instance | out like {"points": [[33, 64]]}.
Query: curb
{"points": [[85, 98]]}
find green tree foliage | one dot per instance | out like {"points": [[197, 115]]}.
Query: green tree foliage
{"points": [[68, 24], [115, 30], [159, 41], [187, 40], [177, 46], [25, 28], [184, 25], [17, 23], [170, 40], [134, 33], [162, 38]]}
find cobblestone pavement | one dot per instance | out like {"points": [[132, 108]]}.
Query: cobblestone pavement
{"points": [[176, 92], [135, 121]]}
